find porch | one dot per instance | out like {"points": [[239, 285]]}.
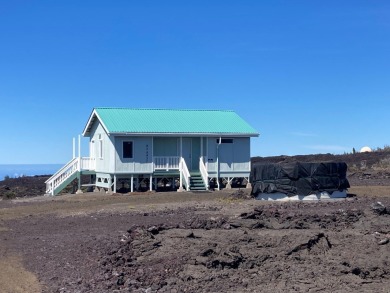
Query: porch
{"points": [[161, 167]]}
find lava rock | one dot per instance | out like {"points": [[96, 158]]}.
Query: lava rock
{"points": [[378, 208]]}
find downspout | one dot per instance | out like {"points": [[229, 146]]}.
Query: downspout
{"points": [[181, 166], [79, 191], [219, 143], [79, 146]]}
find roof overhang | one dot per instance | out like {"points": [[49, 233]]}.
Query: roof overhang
{"points": [[92, 118], [186, 134]]}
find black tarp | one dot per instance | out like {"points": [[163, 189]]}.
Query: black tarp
{"points": [[299, 178]]}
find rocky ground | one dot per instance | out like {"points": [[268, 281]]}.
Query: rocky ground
{"points": [[221, 241], [209, 242]]}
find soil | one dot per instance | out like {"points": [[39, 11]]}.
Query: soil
{"points": [[198, 242], [221, 241]]}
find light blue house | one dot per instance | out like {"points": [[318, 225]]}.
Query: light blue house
{"points": [[187, 148]]}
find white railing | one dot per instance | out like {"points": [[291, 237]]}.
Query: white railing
{"points": [[62, 175], [166, 163], [203, 172], [185, 174], [88, 163]]}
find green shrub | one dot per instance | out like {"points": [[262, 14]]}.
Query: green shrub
{"points": [[9, 195]]}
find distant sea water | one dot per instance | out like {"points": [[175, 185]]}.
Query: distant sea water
{"points": [[19, 170]]}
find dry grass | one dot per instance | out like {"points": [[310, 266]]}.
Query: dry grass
{"points": [[372, 191], [96, 202], [14, 278]]}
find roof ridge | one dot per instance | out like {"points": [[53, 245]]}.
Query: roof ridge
{"points": [[164, 109]]}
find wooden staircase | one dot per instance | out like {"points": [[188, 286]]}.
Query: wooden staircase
{"points": [[196, 182], [63, 177]]}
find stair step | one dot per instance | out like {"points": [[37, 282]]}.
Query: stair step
{"points": [[197, 188], [196, 182]]}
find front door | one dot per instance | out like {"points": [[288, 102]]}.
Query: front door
{"points": [[191, 152], [195, 153]]}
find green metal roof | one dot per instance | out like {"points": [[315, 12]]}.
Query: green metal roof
{"points": [[154, 121]]}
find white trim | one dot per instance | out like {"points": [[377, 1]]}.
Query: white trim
{"points": [[91, 117], [92, 149], [100, 146]]}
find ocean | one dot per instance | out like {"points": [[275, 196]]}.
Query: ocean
{"points": [[19, 170]]}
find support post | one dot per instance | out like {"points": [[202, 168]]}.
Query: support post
{"points": [[114, 183], [79, 146], [132, 183], [109, 189], [180, 189], [151, 183], [248, 184], [228, 184], [79, 191]]}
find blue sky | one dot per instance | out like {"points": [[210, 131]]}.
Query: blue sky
{"points": [[310, 76]]}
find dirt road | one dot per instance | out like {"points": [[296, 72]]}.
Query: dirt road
{"points": [[187, 242]]}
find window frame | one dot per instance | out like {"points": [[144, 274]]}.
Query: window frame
{"points": [[132, 149]]}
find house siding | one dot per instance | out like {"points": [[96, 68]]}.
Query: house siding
{"points": [[166, 146], [142, 161], [104, 163], [233, 157]]}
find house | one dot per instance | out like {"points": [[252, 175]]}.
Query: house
{"points": [[188, 148]]}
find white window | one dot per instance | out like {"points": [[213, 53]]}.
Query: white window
{"points": [[100, 146], [92, 149]]}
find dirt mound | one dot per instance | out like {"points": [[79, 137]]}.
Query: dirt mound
{"points": [[378, 159], [23, 186], [28, 186]]}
